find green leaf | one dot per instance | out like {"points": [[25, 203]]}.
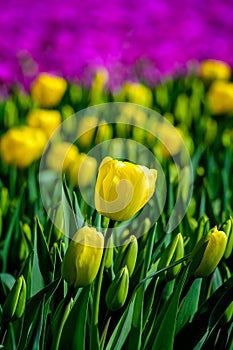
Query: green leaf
{"points": [[74, 331], [44, 259], [163, 330], [189, 305], [207, 315], [122, 329], [43, 296]]}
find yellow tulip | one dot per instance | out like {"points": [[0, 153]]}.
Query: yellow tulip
{"points": [[123, 188], [214, 69], [220, 97], [62, 156], [22, 145], [86, 131], [47, 120], [83, 257], [47, 90], [137, 93], [208, 252], [83, 170]]}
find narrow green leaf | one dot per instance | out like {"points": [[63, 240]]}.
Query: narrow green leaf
{"points": [[74, 331], [122, 329]]}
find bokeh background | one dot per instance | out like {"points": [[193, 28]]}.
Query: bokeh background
{"points": [[134, 39]]}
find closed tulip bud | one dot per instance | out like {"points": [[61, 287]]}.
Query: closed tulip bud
{"points": [[46, 120], [227, 227], [14, 305], [98, 86], [215, 70], [127, 255], [123, 188], [118, 290], [47, 90], [207, 253], [83, 257], [4, 200], [173, 252]]}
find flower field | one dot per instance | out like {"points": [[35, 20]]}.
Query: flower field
{"points": [[116, 227]]}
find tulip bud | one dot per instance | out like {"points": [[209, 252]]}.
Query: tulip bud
{"points": [[127, 255], [227, 227], [207, 253], [4, 200], [173, 252], [62, 156], [47, 90], [118, 290], [83, 257], [220, 97], [123, 188], [14, 305]]}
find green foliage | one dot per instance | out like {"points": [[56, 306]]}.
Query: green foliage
{"points": [[165, 307]]}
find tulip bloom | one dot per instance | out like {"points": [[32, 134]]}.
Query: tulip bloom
{"points": [[214, 69], [47, 120], [220, 97], [82, 171], [62, 156], [47, 90], [123, 188], [83, 257], [22, 145]]}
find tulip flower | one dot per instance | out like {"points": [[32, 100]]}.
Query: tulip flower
{"points": [[127, 255], [117, 292], [220, 97], [22, 145], [62, 156], [83, 257], [215, 70], [47, 120], [82, 171], [123, 188], [47, 90], [137, 93], [14, 305], [207, 253], [86, 131]]}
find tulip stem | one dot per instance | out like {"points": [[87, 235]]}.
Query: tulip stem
{"points": [[97, 292]]}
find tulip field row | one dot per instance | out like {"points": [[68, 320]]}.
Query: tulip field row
{"points": [[116, 206]]}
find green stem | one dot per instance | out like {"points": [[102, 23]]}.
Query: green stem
{"points": [[96, 297]]}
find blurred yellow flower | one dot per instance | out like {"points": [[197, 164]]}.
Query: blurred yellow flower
{"points": [[47, 120], [83, 257], [86, 131], [220, 97], [62, 156], [98, 85], [214, 69], [137, 93], [83, 170], [22, 145], [123, 188], [47, 90]]}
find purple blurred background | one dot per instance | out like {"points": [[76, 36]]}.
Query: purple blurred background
{"points": [[132, 39]]}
